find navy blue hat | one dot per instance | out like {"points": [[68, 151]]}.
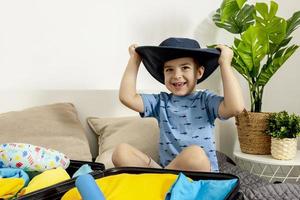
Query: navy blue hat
{"points": [[154, 57]]}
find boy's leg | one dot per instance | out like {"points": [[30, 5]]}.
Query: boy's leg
{"points": [[192, 158], [126, 155]]}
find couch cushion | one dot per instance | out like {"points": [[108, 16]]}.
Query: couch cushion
{"points": [[141, 133], [54, 126]]}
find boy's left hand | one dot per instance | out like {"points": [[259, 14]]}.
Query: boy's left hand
{"points": [[226, 55]]}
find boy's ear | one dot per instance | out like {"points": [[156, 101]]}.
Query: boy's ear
{"points": [[200, 72]]}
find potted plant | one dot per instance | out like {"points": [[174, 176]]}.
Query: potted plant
{"points": [[261, 47], [283, 129]]}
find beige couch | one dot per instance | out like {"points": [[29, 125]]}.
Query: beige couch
{"points": [[57, 126]]}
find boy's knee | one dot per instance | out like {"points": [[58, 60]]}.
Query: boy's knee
{"points": [[195, 150], [119, 153], [196, 158]]}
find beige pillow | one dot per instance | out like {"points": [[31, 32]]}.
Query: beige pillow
{"points": [[141, 133], [53, 126]]}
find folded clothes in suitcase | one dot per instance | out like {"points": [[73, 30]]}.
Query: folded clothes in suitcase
{"points": [[72, 168], [59, 190]]}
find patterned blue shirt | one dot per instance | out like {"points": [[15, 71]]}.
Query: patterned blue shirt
{"points": [[184, 121]]}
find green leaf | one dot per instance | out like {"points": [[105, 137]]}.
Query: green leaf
{"points": [[285, 42], [262, 9], [293, 23], [211, 46], [275, 47], [239, 65], [236, 42], [240, 3], [237, 21], [244, 18], [278, 60], [225, 24], [228, 7], [237, 61], [274, 26], [253, 48], [275, 29], [273, 9]]}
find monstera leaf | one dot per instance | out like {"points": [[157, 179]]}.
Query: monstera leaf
{"points": [[252, 48], [230, 6], [234, 16], [279, 58], [239, 64], [275, 27], [293, 23]]}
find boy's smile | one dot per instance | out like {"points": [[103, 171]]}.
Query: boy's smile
{"points": [[181, 75], [179, 84]]}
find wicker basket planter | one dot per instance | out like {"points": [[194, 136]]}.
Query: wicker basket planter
{"points": [[284, 149], [251, 129]]}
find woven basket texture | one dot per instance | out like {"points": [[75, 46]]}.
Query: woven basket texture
{"points": [[284, 149], [251, 128]]}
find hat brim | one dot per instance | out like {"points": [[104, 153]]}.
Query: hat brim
{"points": [[154, 57]]}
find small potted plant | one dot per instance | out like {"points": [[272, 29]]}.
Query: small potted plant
{"points": [[283, 129]]}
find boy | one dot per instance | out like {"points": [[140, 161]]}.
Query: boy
{"points": [[185, 116]]}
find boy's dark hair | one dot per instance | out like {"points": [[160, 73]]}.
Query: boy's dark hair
{"points": [[197, 62]]}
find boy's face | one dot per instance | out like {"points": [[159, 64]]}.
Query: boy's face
{"points": [[181, 75]]}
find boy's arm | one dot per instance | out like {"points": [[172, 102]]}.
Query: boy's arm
{"points": [[233, 103], [127, 93]]}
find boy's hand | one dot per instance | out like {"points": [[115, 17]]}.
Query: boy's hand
{"points": [[226, 55], [133, 54]]}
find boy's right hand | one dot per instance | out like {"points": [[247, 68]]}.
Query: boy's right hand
{"points": [[133, 54]]}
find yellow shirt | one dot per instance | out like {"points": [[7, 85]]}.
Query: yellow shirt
{"points": [[131, 187]]}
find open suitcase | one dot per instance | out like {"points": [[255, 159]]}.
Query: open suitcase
{"points": [[58, 190]]}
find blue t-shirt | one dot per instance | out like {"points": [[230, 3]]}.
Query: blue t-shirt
{"points": [[184, 121]]}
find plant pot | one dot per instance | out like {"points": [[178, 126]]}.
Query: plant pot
{"points": [[284, 149], [251, 127]]}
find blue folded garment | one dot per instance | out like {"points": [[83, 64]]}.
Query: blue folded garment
{"points": [[14, 173], [84, 169], [184, 189]]}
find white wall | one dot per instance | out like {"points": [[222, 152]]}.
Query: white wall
{"points": [[82, 44]]}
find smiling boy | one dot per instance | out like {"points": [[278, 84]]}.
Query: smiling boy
{"points": [[185, 116]]}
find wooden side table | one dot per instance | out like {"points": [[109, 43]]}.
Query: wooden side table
{"points": [[267, 167]]}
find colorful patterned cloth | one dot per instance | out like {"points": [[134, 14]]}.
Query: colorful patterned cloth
{"points": [[30, 157]]}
